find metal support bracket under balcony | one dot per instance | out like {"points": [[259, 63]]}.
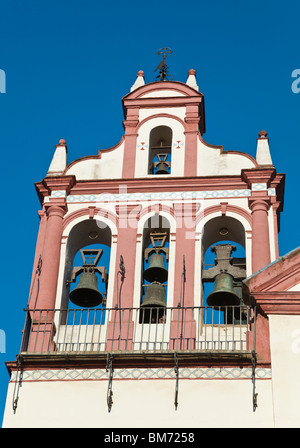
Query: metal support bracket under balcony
{"points": [[177, 379], [18, 383], [109, 368], [254, 393]]}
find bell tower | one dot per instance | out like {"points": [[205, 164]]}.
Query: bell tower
{"points": [[140, 290]]}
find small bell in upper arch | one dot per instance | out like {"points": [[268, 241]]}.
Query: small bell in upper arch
{"points": [[163, 165]]}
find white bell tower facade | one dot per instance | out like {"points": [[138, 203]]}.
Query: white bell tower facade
{"points": [[140, 309]]}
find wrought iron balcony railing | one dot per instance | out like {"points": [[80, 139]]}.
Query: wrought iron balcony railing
{"points": [[137, 330]]}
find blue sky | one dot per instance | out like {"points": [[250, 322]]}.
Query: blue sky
{"points": [[68, 64]]}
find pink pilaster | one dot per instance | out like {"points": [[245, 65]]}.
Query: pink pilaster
{"points": [[183, 326], [55, 209], [34, 286], [260, 234], [259, 204], [120, 327], [43, 328], [130, 125], [275, 207], [191, 138]]}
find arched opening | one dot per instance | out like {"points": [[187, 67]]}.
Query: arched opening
{"points": [[154, 265], [87, 265], [160, 150], [81, 321], [223, 269]]}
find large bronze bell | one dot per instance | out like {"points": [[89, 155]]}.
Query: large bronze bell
{"points": [[86, 294], [156, 272], [162, 168], [155, 296], [223, 293]]}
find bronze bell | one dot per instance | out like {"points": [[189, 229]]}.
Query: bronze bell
{"points": [[155, 296], [223, 293], [162, 168], [86, 294], [156, 272]]}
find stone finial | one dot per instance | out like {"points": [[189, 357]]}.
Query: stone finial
{"points": [[140, 81], [263, 134], [191, 81], [263, 155], [59, 160]]}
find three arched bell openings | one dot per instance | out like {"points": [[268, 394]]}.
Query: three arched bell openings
{"points": [[87, 265], [155, 240]]}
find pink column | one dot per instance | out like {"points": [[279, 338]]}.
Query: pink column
{"points": [[275, 207], [183, 326], [56, 210], [260, 258], [130, 141], [120, 327], [42, 327], [260, 234], [191, 137], [35, 280]]}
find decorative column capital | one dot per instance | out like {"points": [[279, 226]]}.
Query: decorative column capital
{"points": [[258, 175], [259, 204], [50, 184], [56, 207]]}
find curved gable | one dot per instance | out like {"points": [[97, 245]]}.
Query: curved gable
{"points": [[154, 89]]}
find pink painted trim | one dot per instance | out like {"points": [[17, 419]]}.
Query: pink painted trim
{"points": [[220, 147], [163, 115], [112, 148], [167, 85], [49, 184], [278, 302], [91, 157], [157, 208], [221, 208], [87, 212], [55, 209], [128, 170], [191, 150], [159, 184], [147, 184], [258, 175], [281, 275], [34, 285], [261, 255], [243, 154]]}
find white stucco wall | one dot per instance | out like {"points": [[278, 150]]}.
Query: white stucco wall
{"points": [[141, 404], [109, 166], [212, 162], [285, 357]]}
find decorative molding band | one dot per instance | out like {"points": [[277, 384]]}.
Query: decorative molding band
{"points": [[142, 374], [156, 196]]}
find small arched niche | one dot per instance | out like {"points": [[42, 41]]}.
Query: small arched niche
{"points": [[160, 150], [86, 235]]}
